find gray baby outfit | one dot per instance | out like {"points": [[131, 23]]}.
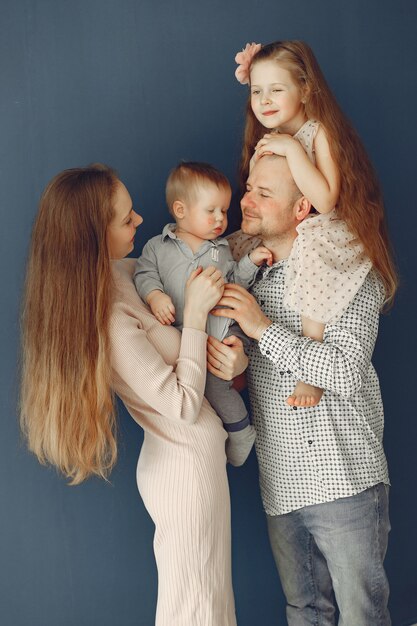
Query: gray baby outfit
{"points": [[165, 264]]}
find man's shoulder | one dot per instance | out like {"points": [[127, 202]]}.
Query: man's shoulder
{"points": [[241, 244], [373, 287]]}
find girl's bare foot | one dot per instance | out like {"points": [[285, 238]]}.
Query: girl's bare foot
{"points": [[305, 395]]}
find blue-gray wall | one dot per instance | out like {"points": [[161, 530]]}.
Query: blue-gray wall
{"points": [[140, 84]]}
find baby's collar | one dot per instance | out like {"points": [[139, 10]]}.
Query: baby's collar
{"points": [[169, 232]]}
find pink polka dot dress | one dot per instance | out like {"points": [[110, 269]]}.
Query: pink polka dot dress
{"points": [[327, 266]]}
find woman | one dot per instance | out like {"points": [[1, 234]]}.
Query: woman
{"points": [[86, 334]]}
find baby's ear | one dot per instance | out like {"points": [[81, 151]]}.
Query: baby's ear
{"points": [[178, 209]]}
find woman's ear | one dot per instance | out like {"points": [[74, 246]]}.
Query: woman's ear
{"points": [[178, 209], [302, 208]]}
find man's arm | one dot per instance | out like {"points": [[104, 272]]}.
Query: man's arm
{"points": [[339, 364]]}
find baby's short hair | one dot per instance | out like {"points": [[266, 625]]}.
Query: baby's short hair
{"points": [[184, 180]]}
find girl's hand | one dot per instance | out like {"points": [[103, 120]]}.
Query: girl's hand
{"points": [[274, 144], [243, 308], [161, 306], [226, 359], [261, 255], [203, 290], [252, 161]]}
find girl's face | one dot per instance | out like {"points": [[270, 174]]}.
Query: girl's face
{"points": [[121, 230], [276, 99]]}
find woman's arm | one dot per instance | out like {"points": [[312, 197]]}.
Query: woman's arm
{"points": [[145, 382], [142, 378]]}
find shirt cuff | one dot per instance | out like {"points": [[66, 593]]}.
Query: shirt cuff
{"points": [[193, 334], [283, 348], [247, 264], [247, 270]]}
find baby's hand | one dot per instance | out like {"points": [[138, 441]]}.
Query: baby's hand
{"points": [[273, 143], [261, 255], [161, 306]]}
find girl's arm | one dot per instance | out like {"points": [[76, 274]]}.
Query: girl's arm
{"points": [[320, 183]]}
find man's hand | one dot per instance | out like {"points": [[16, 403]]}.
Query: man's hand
{"points": [[161, 306], [243, 308]]}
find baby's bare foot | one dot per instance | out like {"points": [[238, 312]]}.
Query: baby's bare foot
{"points": [[305, 395]]}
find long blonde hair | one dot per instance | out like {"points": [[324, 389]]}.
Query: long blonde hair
{"points": [[360, 201], [67, 407]]}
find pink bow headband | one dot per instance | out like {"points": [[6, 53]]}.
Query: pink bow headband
{"points": [[244, 59]]}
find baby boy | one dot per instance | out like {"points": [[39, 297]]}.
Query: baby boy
{"points": [[198, 197]]}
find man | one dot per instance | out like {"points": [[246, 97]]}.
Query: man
{"points": [[323, 472]]}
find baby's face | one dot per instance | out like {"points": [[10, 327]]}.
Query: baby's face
{"points": [[206, 217]]}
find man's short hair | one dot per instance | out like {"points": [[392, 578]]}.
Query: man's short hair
{"points": [[296, 192], [184, 180]]}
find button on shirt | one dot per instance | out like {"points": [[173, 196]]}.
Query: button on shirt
{"points": [[333, 450], [167, 261]]}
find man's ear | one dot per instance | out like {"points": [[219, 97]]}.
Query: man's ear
{"points": [[178, 209], [302, 208]]}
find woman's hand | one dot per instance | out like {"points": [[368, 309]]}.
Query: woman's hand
{"points": [[243, 308], [226, 359], [203, 290]]}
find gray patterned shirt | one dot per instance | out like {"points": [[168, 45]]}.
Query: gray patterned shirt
{"points": [[333, 450]]}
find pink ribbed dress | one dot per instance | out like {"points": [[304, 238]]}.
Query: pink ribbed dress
{"points": [[159, 374]]}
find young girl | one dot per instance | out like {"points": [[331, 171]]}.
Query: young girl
{"points": [[291, 112]]}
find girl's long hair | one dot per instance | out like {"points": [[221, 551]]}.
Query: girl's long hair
{"points": [[66, 406], [360, 201]]}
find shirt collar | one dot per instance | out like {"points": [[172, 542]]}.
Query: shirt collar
{"points": [[275, 267], [169, 232]]}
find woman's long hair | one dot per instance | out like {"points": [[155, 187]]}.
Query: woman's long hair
{"points": [[67, 408], [360, 201]]}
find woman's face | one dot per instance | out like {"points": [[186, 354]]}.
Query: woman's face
{"points": [[121, 230]]}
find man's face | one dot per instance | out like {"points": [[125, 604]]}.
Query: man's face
{"points": [[268, 204]]}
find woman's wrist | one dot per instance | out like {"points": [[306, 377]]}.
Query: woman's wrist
{"points": [[194, 318]]}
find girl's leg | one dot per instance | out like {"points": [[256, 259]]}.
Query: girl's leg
{"points": [[305, 395]]}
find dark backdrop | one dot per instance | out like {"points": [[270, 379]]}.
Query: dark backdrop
{"points": [[140, 84]]}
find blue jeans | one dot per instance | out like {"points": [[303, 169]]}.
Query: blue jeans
{"points": [[333, 553]]}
